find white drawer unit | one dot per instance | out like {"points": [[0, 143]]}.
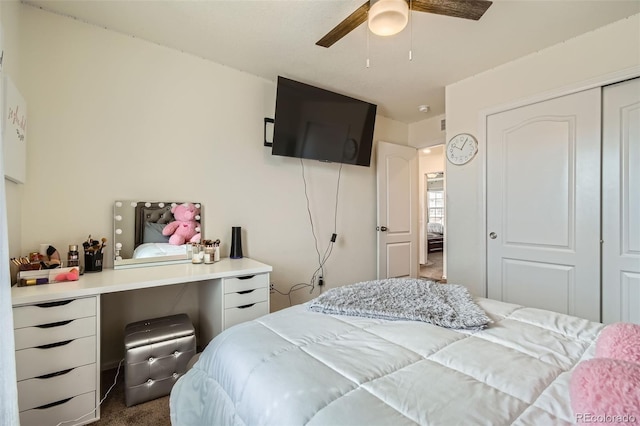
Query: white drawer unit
{"points": [[244, 313], [66, 409], [57, 361], [230, 301]]}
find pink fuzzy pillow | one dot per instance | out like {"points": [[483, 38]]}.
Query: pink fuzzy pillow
{"points": [[620, 340], [606, 391]]}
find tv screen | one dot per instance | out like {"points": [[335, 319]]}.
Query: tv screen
{"points": [[321, 125]]}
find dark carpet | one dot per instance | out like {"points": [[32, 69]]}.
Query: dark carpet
{"points": [[114, 411]]}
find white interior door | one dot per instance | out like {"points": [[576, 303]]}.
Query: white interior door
{"points": [[621, 202], [543, 205], [397, 184]]}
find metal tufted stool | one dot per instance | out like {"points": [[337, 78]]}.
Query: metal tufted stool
{"points": [[157, 352]]}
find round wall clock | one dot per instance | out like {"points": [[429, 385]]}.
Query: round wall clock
{"points": [[461, 149]]}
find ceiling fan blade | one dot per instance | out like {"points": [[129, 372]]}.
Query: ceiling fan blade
{"points": [[345, 27], [468, 9]]}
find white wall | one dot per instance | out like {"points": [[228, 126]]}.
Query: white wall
{"points": [[11, 67], [426, 132], [601, 52], [8, 192], [115, 117]]}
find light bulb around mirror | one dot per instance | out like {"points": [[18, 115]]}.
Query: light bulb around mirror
{"points": [[118, 231]]}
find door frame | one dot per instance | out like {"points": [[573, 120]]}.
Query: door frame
{"points": [[600, 81], [431, 144]]}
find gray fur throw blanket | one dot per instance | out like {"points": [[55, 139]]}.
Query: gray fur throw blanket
{"points": [[444, 305]]}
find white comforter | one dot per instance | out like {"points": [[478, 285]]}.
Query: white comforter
{"points": [[296, 367]]}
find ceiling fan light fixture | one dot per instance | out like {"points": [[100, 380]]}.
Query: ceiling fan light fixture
{"points": [[388, 17]]}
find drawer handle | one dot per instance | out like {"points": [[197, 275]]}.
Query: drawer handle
{"points": [[248, 277], [53, 304], [246, 306], [54, 324], [246, 291], [54, 345], [53, 404], [59, 373]]}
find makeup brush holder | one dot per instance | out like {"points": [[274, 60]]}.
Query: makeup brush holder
{"points": [[93, 260]]}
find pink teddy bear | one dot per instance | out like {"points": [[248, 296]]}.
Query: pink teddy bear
{"points": [[185, 227]]}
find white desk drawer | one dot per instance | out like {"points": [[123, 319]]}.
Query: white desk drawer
{"points": [[67, 410], [247, 297], [34, 393], [45, 313], [35, 362], [233, 285], [29, 337], [235, 316]]}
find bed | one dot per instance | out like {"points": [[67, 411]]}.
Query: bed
{"points": [[295, 367]]}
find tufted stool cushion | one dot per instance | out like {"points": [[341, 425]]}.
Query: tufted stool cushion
{"points": [[157, 352]]}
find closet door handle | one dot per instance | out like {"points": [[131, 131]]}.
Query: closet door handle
{"points": [[493, 235]]}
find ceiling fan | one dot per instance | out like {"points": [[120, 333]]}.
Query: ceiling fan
{"points": [[388, 17]]}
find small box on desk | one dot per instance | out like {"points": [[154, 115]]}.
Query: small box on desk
{"points": [[42, 276]]}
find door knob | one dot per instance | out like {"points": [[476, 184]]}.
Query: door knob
{"points": [[381, 228], [493, 235]]}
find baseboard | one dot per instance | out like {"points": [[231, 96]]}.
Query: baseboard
{"points": [[110, 365]]}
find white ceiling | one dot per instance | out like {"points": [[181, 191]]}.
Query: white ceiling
{"points": [[271, 38]]}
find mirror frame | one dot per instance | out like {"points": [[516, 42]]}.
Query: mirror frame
{"points": [[125, 230]]}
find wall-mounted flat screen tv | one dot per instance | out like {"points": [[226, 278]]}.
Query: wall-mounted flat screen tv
{"points": [[322, 125]]}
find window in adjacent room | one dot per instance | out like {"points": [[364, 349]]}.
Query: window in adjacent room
{"points": [[435, 205]]}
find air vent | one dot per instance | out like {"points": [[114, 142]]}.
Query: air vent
{"points": [[443, 125]]}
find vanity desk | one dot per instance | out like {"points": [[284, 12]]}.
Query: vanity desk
{"points": [[57, 328]]}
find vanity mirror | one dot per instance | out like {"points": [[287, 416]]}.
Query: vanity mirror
{"points": [[138, 238]]}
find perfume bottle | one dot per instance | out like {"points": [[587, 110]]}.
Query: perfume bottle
{"points": [[73, 257]]}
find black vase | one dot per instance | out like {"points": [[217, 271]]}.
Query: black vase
{"points": [[236, 242]]}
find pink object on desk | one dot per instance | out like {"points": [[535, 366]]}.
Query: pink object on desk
{"points": [[72, 275]]}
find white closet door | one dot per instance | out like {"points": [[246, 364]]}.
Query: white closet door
{"points": [[543, 205], [621, 202]]}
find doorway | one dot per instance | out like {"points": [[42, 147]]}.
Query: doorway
{"points": [[432, 213]]}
